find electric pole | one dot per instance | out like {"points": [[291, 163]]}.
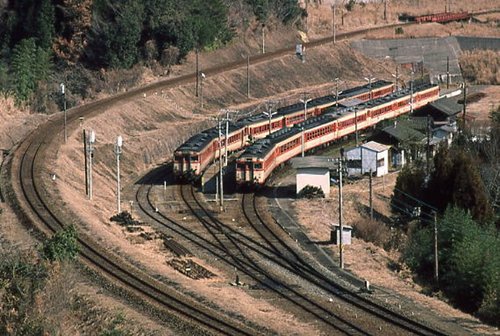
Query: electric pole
{"points": [[86, 162], [436, 256], [341, 226], [465, 101], [197, 72], [396, 76], [385, 10], [270, 105], [90, 155], [305, 101], [263, 39], [221, 180], [428, 146], [371, 195], [411, 92], [63, 93], [369, 80], [202, 78], [337, 92], [248, 76], [118, 151], [302, 142], [356, 124], [447, 72], [334, 9]]}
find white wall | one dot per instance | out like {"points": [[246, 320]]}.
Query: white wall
{"points": [[317, 177], [368, 161]]}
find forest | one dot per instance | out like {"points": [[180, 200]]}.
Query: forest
{"points": [[47, 41]]}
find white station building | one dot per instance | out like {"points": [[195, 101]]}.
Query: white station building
{"points": [[371, 156], [313, 171]]}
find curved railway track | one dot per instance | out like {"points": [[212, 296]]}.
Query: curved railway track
{"points": [[43, 217], [240, 251], [34, 207]]}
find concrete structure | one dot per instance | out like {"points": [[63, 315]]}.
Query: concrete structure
{"points": [[314, 171], [369, 156], [346, 236]]}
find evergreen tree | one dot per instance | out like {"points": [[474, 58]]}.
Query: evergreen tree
{"points": [[44, 27]]}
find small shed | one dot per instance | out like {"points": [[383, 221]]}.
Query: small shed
{"points": [[346, 236], [371, 156], [313, 171]]}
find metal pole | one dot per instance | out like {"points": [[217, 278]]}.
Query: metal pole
{"points": [[65, 120], [385, 10], [118, 151], [341, 226], [436, 256], [90, 170], [302, 138], [86, 163], [197, 73], [226, 138], [201, 91], [356, 124], [221, 188], [397, 78], [305, 107], [411, 92], [263, 39], [371, 195], [248, 76], [465, 101], [334, 28], [270, 116], [447, 72], [428, 146]]}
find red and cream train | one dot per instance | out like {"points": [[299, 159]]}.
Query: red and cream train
{"points": [[259, 160], [193, 156]]}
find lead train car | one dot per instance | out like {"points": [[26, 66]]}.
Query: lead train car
{"points": [[259, 160], [193, 156]]}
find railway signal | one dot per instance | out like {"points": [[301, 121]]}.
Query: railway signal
{"points": [[337, 92], [305, 101], [90, 154], [63, 93], [270, 106]]}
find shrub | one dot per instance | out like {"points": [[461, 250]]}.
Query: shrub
{"points": [[372, 231], [311, 192], [62, 246], [399, 31]]}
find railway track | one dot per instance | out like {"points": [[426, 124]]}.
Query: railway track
{"points": [[241, 252], [195, 317], [34, 207], [272, 235]]}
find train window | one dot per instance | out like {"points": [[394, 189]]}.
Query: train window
{"points": [[257, 166], [194, 158], [241, 166], [177, 157]]}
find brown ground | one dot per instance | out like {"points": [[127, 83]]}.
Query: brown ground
{"points": [[367, 260], [152, 127]]}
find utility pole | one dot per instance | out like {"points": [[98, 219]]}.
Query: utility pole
{"points": [[226, 141], [436, 256], [385, 10], [270, 104], [221, 179], [356, 124], [337, 92], [465, 101], [90, 154], [197, 72], [118, 151], [86, 162], [263, 39], [248, 76], [447, 72], [302, 142], [411, 92], [63, 93], [334, 9], [371, 195], [341, 226], [428, 156], [305, 101], [396, 76], [369, 79], [202, 78]]}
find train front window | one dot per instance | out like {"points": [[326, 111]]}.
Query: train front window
{"points": [[178, 157], [257, 166], [240, 166], [194, 158]]}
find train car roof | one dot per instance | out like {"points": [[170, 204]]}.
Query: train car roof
{"points": [[261, 147], [201, 140], [347, 93]]}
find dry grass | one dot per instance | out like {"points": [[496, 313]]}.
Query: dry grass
{"points": [[481, 66]]}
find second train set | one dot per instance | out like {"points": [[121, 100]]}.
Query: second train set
{"points": [[259, 160]]}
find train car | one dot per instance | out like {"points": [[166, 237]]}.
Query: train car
{"points": [[443, 17], [259, 160], [192, 157]]}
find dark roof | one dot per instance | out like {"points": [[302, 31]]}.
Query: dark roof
{"points": [[200, 140], [447, 106], [402, 133], [314, 162]]}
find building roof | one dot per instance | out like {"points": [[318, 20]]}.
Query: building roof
{"points": [[404, 133], [314, 162], [447, 106], [375, 146]]}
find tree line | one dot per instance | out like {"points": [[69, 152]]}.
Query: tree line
{"points": [[464, 189], [43, 37]]}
